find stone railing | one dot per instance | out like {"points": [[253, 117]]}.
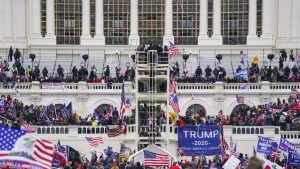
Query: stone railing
{"points": [[293, 135]]}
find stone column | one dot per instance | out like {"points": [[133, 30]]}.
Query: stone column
{"points": [[252, 37], [85, 36], [203, 23], [266, 18], [99, 38], [6, 22], [50, 36], [134, 26], [35, 37], [168, 22], [217, 23]]}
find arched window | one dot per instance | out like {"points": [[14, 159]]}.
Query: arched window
{"points": [[102, 109], [196, 110], [240, 108]]}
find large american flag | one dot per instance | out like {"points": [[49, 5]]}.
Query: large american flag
{"points": [[294, 93], [155, 159], [173, 50], [276, 154], [94, 141], [240, 99], [115, 131], [42, 152], [122, 108]]}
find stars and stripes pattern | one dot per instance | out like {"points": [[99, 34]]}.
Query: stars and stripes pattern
{"points": [[115, 131], [173, 51], [109, 112], [42, 152], [122, 108], [94, 141], [240, 99], [294, 93], [173, 100], [276, 154], [155, 159]]}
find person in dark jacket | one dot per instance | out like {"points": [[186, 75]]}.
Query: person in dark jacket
{"points": [[10, 54], [45, 72]]}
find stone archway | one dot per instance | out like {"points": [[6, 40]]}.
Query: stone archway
{"points": [[239, 108], [102, 108], [196, 110]]}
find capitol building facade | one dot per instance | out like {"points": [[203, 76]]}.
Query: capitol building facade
{"points": [[60, 32]]}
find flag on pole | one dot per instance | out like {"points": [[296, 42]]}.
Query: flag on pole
{"points": [[233, 152], [109, 112], [127, 103], [122, 108], [173, 51], [155, 159], [242, 56], [94, 141], [240, 99], [255, 60], [174, 103]]}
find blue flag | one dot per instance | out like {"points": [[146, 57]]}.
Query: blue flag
{"points": [[286, 146], [200, 140], [293, 159], [243, 74], [266, 145]]}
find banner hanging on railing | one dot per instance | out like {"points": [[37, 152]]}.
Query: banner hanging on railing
{"points": [[200, 140], [54, 86], [266, 145]]}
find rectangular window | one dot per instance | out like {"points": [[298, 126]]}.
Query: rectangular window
{"points": [[43, 17], [186, 21], [116, 21], [68, 21], [151, 21], [234, 21], [259, 18]]}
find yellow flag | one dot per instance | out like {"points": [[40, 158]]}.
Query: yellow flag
{"points": [[255, 60], [173, 116]]}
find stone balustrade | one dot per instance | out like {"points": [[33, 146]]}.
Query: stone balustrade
{"points": [[292, 135], [182, 87]]}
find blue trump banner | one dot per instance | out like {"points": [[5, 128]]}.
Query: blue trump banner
{"points": [[293, 159], [285, 145], [200, 140], [266, 145]]}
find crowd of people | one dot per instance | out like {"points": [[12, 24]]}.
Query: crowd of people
{"points": [[283, 114], [14, 71], [15, 113]]}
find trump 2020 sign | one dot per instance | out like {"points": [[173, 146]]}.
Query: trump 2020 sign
{"points": [[200, 140]]}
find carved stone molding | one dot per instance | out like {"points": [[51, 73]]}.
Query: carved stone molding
{"points": [[82, 98], [219, 98]]}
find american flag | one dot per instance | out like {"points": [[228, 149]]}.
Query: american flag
{"points": [[94, 141], [233, 151], [294, 93], [115, 131], [173, 50], [27, 128], [16, 90], [62, 149], [127, 103], [155, 159], [240, 99], [122, 108], [174, 103], [42, 150], [276, 154]]}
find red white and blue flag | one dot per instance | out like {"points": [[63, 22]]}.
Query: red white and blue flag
{"points": [[155, 159], [173, 51], [122, 108], [13, 140], [173, 101], [127, 103], [94, 141]]}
